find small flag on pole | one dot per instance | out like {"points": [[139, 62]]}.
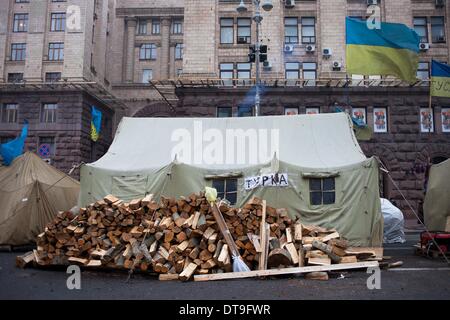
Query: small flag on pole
{"points": [[392, 50], [440, 80], [12, 149], [96, 123]]}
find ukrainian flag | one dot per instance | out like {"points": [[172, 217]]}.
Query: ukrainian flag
{"points": [[392, 50], [440, 80], [96, 123]]}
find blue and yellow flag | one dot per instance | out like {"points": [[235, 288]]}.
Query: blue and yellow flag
{"points": [[440, 80], [96, 123], [392, 50], [14, 148]]}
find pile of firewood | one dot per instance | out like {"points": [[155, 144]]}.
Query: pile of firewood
{"points": [[177, 238]]}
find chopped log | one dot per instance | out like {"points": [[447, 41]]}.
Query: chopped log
{"points": [[182, 246], [341, 243], [147, 200], [331, 236], [223, 256], [279, 257], [135, 204], [211, 248], [168, 277], [78, 260], [24, 260], [188, 272], [349, 259], [289, 237], [317, 276], [168, 235], [290, 247], [205, 255], [298, 232], [94, 263], [324, 261], [110, 199], [328, 250], [339, 251]]}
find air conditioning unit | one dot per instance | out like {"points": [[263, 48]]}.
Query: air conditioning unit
{"points": [[337, 65], [327, 52], [310, 48], [267, 65], [289, 3], [440, 3], [242, 40], [424, 46], [289, 48], [372, 2]]}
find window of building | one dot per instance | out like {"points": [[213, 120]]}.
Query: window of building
{"points": [[244, 30], [224, 112], [177, 27], [58, 21], [6, 139], [226, 189], [309, 73], [423, 72], [142, 27], [322, 191], [292, 70], [18, 51], [244, 70], [290, 30], [48, 112], [15, 77], [245, 111], [420, 26], [179, 51], [226, 30], [147, 75], [20, 22], [52, 76], [147, 51], [291, 111], [156, 27], [22, 1], [47, 146], [437, 30], [56, 51], [308, 30], [226, 71], [9, 112], [179, 72]]}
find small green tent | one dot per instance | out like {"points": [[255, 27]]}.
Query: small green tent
{"points": [[31, 194], [437, 199], [310, 164]]}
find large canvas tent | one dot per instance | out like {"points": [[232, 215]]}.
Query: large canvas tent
{"points": [[31, 194], [175, 157], [437, 199]]}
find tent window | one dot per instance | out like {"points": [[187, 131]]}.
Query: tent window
{"points": [[226, 189], [322, 191]]}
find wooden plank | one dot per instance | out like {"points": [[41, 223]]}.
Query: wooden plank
{"points": [[264, 239], [317, 276], [376, 251], [289, 237], [275, 272]]}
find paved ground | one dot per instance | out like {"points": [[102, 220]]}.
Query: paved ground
{"points": [[419, 278]]}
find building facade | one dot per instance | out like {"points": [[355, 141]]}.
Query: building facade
{"points": [[184, 58]]}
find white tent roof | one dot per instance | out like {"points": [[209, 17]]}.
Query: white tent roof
{"points": [[311, 141]]}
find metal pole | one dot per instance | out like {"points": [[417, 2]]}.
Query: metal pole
{"points": [[258, 22]]}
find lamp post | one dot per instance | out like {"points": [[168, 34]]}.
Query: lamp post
{"points": [[257, 17]]}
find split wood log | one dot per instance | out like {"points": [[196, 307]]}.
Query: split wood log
{"points": [[328, 250]]}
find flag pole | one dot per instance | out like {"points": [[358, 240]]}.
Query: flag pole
{"points": [[430, 108]]}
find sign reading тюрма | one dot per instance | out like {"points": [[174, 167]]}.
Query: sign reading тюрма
{"points": [[267, 180]]}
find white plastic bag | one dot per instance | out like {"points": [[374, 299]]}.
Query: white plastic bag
{"points": [[239, 265], [394, 223]]}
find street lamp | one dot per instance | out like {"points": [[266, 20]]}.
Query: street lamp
{"points": [[267, 5]]}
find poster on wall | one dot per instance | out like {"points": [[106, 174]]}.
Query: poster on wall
{"points": [[291, 111], [426, 120], [445, 114], [380, 120], [267, 180], [312, 111], [360, 115]]}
